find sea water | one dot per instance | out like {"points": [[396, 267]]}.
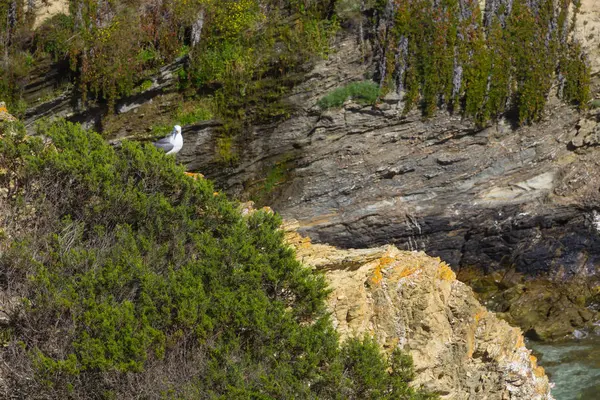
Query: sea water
{"points": [[572, 365]]}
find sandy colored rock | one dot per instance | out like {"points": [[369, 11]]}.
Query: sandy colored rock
{"points": [[414, 301], [587, 30], [46, 9]]}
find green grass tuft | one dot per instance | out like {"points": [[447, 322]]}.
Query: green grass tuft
{"points": [[365, 92]]}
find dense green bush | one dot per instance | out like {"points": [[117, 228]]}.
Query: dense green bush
{"points": [[365, 92], [54, 36], [137, 281]]}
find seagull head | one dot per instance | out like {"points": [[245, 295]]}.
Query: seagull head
{"points": [[176, 130]]}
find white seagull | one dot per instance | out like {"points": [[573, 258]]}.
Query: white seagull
{"points": [[172, 143]]}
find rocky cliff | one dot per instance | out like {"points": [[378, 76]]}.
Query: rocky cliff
{"points": [[411, 300], [361, 176], [509, 203], [501, 200], [505, 200]]}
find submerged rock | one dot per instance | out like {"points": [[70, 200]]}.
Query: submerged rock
{"points": [[544, 309]]}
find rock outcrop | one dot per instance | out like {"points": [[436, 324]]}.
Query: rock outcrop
{"points": [[498, 199], [411, 300], [542, 308]]}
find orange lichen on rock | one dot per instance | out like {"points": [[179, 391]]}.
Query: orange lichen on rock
{"points": [[386, 260], [194, 175], [445, 272], [520, 342], [537, 370], [533, 360], [4, 114], [407, 271], [377, 275]]}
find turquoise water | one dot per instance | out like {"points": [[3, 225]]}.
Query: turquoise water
{"points": [[573, 365]]}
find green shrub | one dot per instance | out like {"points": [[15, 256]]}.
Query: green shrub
{"points": [[368, 374], [193, 115], [594, 104], [137, 280], [366, 92], [187, 113], [54, 35], [145, 85]]}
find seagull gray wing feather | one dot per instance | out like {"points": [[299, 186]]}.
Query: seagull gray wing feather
{"points": [[165, 144]]}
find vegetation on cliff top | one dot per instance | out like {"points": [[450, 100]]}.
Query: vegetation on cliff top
{"points": [[447, 53], [245, 54], [129, 279]]}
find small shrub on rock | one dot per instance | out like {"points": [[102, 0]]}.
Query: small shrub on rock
{"points": [[366, 92]]}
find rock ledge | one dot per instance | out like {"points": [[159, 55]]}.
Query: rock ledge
{"points": [[414, 301]]}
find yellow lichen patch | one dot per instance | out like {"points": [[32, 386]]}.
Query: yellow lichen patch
{"points": [[386, 260], [377, 276], [445, 273], [479, 315], [383, 262], [407, 271], [194, 175], [533, 360], [539, 372], [520, 342]]}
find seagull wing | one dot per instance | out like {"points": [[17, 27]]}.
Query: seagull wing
{"points": [[164, 144]]}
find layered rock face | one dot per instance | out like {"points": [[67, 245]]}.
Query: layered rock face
{"points": [[410, 300], [499, 199], [363, 176]]}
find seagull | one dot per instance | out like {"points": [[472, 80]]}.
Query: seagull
{"points": [[172, 143]]}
